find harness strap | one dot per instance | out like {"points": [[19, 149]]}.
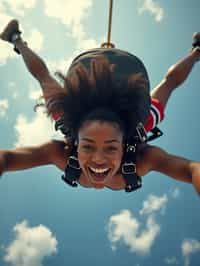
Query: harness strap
{"points": [[72, 170], [156, 133], [128, 168], [60, 125]]}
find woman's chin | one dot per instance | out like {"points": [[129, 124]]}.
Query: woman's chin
{"points": [[97, 182], [98, 185]]}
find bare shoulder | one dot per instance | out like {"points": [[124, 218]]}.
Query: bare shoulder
{"points": [[58, 152], [153, 158], [148, 155]]}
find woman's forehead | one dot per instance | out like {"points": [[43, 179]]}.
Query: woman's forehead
{"points": [[100, 129]]}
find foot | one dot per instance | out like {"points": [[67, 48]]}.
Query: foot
{"points": [[11, 32], [196, 46], [196, 39]]}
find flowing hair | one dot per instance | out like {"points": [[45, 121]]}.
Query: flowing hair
{"points": [[92, 93]]}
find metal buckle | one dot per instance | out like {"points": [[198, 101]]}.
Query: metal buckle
{"points": [[130, 188], [73, 162], [141, 132], [131, 148], [126, 168], [72, 183]]}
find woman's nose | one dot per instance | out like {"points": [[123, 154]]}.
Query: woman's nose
{"points": [[99, 157]]}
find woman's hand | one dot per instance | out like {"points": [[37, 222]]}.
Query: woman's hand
{"points": [[2, 163], [195, 171]]}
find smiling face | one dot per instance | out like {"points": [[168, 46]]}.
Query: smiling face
{"points": [[100, 151]]}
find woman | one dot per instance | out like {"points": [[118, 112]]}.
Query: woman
{"points": [[101, 108]]}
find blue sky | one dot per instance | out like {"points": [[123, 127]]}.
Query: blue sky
{"points": [[44, 222]]}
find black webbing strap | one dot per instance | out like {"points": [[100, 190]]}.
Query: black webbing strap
{"points": [[72, 170], [156, 133], [60, 125], [132, 180]]}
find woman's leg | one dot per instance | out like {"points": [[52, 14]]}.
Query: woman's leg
{"points": [[33, 62], [175, 76]]}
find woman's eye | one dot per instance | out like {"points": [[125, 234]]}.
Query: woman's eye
{"points": [[87, 147], [111, 148]]}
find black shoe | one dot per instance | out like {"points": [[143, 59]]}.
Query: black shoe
{"points": [[196, 40], [11, 33]]}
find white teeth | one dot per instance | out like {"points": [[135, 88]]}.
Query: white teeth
{"points": [[99, 171]]}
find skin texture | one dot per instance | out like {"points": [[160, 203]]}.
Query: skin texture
{"points": [[149, 158], [100, 146], [96, 152]]}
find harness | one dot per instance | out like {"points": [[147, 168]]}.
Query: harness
{"points": [[128, 167]]}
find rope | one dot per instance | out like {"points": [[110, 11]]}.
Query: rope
{"points": [[108, 44]]}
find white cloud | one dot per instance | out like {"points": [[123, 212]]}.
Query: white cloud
{"points": [[4, 17], [61, 65], [189, 247], [34, 94], [171, 261], [126, 228], [19, 7], [6, 52], [35, 40], [175, 193], [77, 11], [86, 44], [39, 130], [3, 107], [11, 84], [153, 8], [12, 88], [31, 245], [153, 204]]}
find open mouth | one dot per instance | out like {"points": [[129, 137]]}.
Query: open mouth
{"points": [[99, 174]]}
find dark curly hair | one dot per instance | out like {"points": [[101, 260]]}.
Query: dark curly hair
{"points": [[92, 92]]}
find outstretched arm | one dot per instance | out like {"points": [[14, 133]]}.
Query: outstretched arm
{"points": [[52, 152], [173, 166]]}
